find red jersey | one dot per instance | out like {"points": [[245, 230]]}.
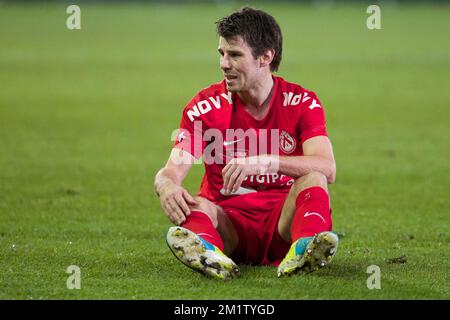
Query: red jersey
{"points": [[216, 117]]}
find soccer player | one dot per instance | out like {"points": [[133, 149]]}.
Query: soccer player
{"points": [[268, 160]]}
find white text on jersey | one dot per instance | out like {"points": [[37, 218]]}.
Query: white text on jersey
{"points": [[204, 106], [292, 100]]}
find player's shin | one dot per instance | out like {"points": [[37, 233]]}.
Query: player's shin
{"points": [[200, 223], [312, 213]]}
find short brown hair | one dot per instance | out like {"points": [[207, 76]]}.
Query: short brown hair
{"points": [[257, 28]]}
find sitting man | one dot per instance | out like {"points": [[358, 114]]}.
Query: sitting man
{"points": [[268, 160]]}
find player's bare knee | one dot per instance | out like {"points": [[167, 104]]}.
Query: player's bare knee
{"points": [[206, 206], [312, 179]]}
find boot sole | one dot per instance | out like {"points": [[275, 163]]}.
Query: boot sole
{"points": [[318, 254], [188, 248]]}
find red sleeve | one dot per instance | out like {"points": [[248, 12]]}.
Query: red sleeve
{"points": [[190, 134], [312, 118]]}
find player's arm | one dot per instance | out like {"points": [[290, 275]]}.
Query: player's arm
{"points": [[317, 156], [174, 199]]}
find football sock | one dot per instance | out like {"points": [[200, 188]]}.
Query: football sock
{"points": [[312, 213], [200, 223]]}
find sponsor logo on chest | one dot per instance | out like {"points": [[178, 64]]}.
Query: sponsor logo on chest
{"points": [[205, 106]]}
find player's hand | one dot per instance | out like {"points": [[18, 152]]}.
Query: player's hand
{"points": [[175, 201], [238, 169]]}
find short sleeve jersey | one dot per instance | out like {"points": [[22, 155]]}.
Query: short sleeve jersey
{"points": [[216, 127]]}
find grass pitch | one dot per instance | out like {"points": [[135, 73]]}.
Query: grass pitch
{"points": [[85, 123]]}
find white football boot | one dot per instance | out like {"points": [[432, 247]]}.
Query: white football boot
{"points": [[200, 255]]}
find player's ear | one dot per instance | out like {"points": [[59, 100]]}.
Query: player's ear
{"points": [[266, 58]]}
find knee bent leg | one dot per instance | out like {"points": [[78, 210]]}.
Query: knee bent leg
{"points": [[312, 179], [206, 206]]}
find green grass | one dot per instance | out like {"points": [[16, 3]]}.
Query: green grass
{"points": [[85, 121]]}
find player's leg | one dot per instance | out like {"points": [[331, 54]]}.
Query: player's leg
{"points": [[215, 226], [312, 185], [200, 240], [306, 221]]}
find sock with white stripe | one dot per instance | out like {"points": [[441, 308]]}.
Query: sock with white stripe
{"points": [[312, 213]]}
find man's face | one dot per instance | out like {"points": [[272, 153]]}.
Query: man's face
{"points": [[239, 67]]}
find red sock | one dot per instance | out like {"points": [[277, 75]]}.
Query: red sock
{"points": [[200, 223], [312, 213]]}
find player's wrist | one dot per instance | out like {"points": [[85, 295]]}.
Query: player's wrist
{"points": [[161, 188], [274, 164], [269, 164]]}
